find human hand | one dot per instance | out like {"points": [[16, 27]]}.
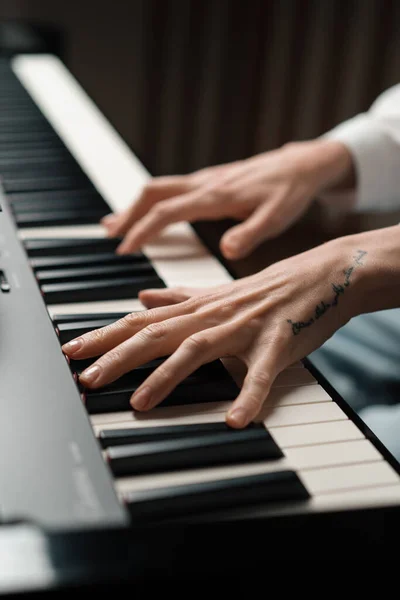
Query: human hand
{"points": [[267, 192], [268, 321]]}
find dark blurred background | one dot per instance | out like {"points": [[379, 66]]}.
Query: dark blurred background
{"points": [[195, 82]]}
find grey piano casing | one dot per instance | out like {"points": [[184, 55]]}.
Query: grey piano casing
{"points": [[52, 471]]}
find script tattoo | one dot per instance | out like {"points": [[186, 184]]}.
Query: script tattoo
{"points": [[338, 290]]}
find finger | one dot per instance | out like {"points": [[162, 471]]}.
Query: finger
{"points": [[108, 220], [254, 392], [197, 350], [187, 207], [156, 190], [155, 340], [102, 340], [164, 297], [242, 239]]}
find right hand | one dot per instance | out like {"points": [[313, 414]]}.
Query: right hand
{"points": [[267, 192]]}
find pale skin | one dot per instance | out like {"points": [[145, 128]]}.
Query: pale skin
{"points": [[268, 321], [266, 193]]}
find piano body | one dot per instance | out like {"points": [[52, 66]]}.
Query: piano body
{"points": [[92, 493]]}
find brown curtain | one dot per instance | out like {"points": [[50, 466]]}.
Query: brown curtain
{"points": [[195, 82]]}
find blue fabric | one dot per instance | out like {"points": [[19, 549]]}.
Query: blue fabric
{"points": [[362, 362]]}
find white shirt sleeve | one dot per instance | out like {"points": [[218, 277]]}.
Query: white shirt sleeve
{"points": [[373, 139]]}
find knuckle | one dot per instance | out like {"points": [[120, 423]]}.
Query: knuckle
{"points": [[131, 320], [155, 331], [97, 336], [149, 188], [279, 339], [260, 380], [273, 221], [197, 344], [112, 358], [163, 373], [226, 311], [254, 403], [161, 212], [224, 192]]}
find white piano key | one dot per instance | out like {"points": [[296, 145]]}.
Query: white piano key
{"points": [[307, 435], [301, 414], [319, 479], [337, 453], [156, 480], [163, 414], [334, 479], [67, 231], [288, 397], [294, 377], [116, 420], [302, 394], [382, 495], [196, 413], [97, 308]]}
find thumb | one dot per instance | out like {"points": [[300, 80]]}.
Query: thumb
{"points": [[240, 240]]}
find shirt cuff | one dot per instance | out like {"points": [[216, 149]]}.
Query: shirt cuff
{"points": [[376, 157]]}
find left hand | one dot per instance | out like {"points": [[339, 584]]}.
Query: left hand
{"points": [[269, 321]]}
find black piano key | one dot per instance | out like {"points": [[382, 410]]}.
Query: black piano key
{"points": [[122, 437], [21, 148], [249, 490], [94, 273], [28, 167], [27, 151], [60, 217], [47, 247], [49, 182], [19, 104], [47, 135], [70, 262], [23, 112], [32, 123], [211, 375], [56, 200], [77, 366], [192, 390], [105, 289], [44, 170], [69, 331], [79, 317], [208, 450]]}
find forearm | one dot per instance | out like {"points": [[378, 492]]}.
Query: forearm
{"points": [[329, 166]]}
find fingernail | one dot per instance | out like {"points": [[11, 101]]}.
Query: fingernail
{"points": [[91, 374], [141, 398], [73, 346], [238, 417]]}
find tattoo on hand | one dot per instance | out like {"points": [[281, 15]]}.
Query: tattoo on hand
{"points": [[338, 289]]}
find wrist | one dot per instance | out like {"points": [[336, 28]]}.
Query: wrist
{"points": [[376, 282], [333, 165]]}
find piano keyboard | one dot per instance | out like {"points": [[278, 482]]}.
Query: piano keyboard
{"points": [[62, 167]]}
